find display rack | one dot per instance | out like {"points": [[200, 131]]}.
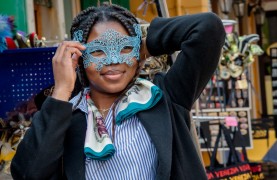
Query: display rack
{"points": [[224, 98]]}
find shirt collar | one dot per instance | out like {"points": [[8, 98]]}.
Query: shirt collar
{"points": [[83, 103]]}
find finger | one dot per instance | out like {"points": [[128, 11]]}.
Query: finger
{"points": [[80, 46], [58, 50], [65, 44], [70, 51], [74, 44], [75, 58], [59, 55]]}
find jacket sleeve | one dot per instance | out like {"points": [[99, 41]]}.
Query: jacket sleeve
{"points": [[38, 154], [200, 38]]}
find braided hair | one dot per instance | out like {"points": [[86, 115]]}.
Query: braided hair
{"points": [[85, 20]]}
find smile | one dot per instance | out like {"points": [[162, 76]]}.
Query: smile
{"points": [[113, 75]]}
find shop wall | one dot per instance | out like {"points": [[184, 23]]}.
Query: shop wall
{"points": [[54, 23], [192, 7], [51, 21], [87, 3], [17, 9], [175, 8], [68, 17]]}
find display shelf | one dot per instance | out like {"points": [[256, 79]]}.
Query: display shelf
{"points": [[220, 110], [210, 128]]}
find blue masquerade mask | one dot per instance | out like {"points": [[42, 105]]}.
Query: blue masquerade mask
{"points": [[113, 46]]}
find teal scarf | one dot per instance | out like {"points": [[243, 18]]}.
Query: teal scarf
{"points": [[141, 96]]}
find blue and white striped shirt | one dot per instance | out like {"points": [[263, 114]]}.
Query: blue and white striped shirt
{"points": [[135, 156]]}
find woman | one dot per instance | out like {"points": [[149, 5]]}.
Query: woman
{"points": [[119, 126]]}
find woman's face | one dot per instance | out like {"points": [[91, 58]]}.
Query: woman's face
{"points": [[112, 78]]}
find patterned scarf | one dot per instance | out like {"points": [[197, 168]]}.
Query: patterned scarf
{"points": [[141, 96]]}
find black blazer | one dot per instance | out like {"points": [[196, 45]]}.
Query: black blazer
{"points": [[53, 147]]}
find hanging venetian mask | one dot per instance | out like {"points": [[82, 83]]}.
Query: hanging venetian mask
{"points": [[236, 66]]}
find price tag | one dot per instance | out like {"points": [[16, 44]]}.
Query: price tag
{"points": [[231, 121], [241, 84]]}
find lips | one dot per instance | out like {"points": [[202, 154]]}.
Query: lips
{"points": [[112, 72], [113, 75]]}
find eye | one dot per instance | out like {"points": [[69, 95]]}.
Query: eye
{"points": [[126, 49], [98, 53]]}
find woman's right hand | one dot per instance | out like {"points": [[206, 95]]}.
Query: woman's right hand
{"points": [[64, 64]]}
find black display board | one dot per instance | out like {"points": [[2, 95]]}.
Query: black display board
{"points": [[273, 57]]}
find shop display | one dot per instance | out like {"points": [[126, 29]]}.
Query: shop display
{"points": [[11, 38], [12, 131], [228, 93], [7, 31], [235, 168], [26, 72], [229, 87], [232, 93]]}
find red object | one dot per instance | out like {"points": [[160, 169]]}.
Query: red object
{"points": [[33, 38], [10, 43]]}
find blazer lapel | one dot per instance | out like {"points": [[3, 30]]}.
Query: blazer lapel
{"points": [[157, 122]]}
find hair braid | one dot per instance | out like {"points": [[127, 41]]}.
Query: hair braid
{"points": [[124, 11], [84, 21], [125, 22], [127, 14], [88, 27]]}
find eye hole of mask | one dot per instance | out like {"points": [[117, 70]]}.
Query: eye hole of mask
{"points": [[126, 49], [98, 53]]}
